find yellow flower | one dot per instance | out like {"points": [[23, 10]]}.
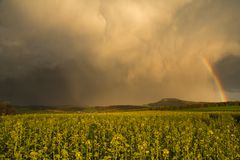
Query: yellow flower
{"points": [[165, 152], [33, 154], [210, 132]]}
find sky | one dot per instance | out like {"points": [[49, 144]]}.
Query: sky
{"points": [[103, 52]]}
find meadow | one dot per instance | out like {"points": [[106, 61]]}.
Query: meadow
{"points": [[214, 109], [121, 135]]}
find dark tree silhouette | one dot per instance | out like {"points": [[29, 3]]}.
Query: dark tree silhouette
{"points": [[6, 108]]}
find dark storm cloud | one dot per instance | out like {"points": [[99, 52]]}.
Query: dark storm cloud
{"points": [[228, 69], [113, 51], [39, 86]]}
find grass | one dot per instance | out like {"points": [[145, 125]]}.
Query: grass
{"points": [[212, 109]]}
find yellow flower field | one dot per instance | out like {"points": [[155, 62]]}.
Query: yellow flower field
{"points": [[122, 135]]}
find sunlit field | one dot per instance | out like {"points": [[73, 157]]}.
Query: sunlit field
{"points": [[122, 135]]}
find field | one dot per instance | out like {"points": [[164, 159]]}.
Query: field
{"points": [[218, 108], [121, 135]]}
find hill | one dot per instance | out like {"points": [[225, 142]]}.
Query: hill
{"points": [[69, 108], [173, 102], [177, 104]]}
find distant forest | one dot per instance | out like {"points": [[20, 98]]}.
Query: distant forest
{"points": [[6, 108]]}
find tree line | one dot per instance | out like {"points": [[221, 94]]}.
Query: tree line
{"points": [[6, 108]]}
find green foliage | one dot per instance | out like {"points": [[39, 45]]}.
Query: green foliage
{"points": [[6, 108], [128, 135], [212, 108]]}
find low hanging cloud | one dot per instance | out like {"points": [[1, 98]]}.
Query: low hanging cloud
{"points": [[115, 51]]}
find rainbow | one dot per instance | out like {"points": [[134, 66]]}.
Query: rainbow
{"points": [[217, 81]]}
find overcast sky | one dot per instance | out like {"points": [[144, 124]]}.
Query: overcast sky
{"points": [[102, 52]]}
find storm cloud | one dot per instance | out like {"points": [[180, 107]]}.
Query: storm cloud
{"points": [[228, 69], [102, 52]]}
